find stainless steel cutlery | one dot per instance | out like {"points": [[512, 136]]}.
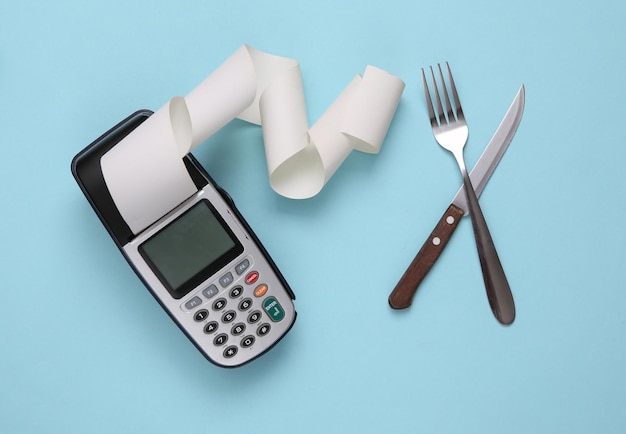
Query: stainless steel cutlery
{"points": [[402, 295], [451, 132]]}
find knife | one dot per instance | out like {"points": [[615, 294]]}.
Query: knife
{"points": [[402, 295]]}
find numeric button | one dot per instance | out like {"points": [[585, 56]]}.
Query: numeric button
{"points": [[254, 317], [229, 316], [236, 291], [201, 315], [220, 339], [238, 329], [245, 304], [248, 341], [211, 327], [219, 304]]}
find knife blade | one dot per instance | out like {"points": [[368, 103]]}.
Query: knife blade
{"points": [[402, 295]]}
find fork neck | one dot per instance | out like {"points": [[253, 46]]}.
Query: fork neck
{"points": [[458, 155]]}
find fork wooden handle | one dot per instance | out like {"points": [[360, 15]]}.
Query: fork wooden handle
{"points": [[402, 295]]}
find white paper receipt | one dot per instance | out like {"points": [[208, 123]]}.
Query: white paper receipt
{"points": [[145, 173]]}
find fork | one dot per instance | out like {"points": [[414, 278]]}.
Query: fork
{"points": [[451, 132]]}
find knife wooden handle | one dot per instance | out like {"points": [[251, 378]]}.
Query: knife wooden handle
{"points": [[402, 295]]}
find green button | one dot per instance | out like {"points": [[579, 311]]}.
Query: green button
{"points": [[273, 309]]}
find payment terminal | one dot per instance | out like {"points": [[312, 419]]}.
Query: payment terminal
{"points": [[201, 261]]}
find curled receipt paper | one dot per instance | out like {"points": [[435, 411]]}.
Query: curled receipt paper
{"points": [[145, 173]]}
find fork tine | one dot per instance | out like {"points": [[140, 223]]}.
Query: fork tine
{"points": [[448, 108], [429, 102], [440, 114], [455, 96]]}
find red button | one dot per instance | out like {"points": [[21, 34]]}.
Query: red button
{"points": [[252, 277]]}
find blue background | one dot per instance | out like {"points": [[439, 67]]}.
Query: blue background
{"points": [[85, 348]]}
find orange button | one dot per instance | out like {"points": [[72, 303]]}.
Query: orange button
{"points": [[260, 290]]}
